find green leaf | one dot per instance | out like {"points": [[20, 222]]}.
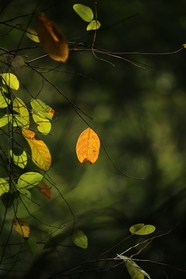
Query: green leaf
{"points": [[29, 32], [41, 109], [4, 186], [184, 45], [55, 240], [10, 80], [29, 180], [4, 101], [23, 118], [5, 119], [31, 246], [19, 160], [141, 229], [84, 12], [43, 125], [93, 25], [8, 199], [80, 239], [24, 197]]}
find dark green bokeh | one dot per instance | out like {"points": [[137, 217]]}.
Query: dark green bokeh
{"points": [[140, 116]]}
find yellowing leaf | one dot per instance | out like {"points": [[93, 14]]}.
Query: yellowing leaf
{"points": [[4, 186], [22, 227], [10, 80], [29, 32], [142, 229], [80, 239], [51, 38], [93, 25], [19, 160], [29, 180], [84, 12], [40, 153], [44, 190], [87, 147], [22, 119]]}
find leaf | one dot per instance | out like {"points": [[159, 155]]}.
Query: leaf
{"points": [[51, 38], [8, 199], [87, 147], [55, 240], [29, 32], [44, 190], [22, 227], [17, 62], [28, 180], [24, 197], [80, 239], [84, 12], [10, 80], [5, 119], [23, 118], [93, 25], [40, 153], [4, 101], [184, 45], [43, 125], [31, 246], [141, 229], [19, 160], [4, 186], [41, 109]]}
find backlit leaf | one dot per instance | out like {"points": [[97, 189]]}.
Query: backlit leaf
{"points": [[84, 12], [87, 147], [80, 239], [4, 186], [41, 109], [93, 25], [184, 45], [22, 227], [10, 80], [44, 190], [142, 229], [43, 125], [23, 118], [19, 159], [40, 153], [4, 101], [24, 197], [5, 119], [28, 180], [29, 32], [31, 246], [51, 38]]}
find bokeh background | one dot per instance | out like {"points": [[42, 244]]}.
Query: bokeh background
{"points": [[139, 113]]}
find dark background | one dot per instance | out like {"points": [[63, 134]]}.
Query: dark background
{"points": [[139, 112]]}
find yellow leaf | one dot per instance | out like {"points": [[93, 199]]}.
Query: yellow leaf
{"points": [[39, 151], [10, 80], [44, 190], [21, 226], [87, 147], [51, 38]]}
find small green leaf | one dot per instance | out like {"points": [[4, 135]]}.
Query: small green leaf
{"points": [[41, 109], [29, 32], [93, 25], [84, 12], [4, 101], [4, 186], [22, 119], [31, 246], [80, 239], [10, 80], [5, 119], [19, 159], [55, 240], [29, 180], [43, 125], [24, 197], [8, 199], [141, 229], [135, 271]]}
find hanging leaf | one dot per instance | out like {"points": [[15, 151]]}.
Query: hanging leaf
{"points": [[4, 186], [43, 125], [141, 229], [87, 147], [5, 119], [40, 153], [31, 246], [44, 190], [8, 199], [29, 32], [22, 119], [24, 197], [51, 38], [84, 12], [28, 180], [80, 239], [10, 80], [22, 227], [41, 109], [93, 25], [19, 159], [4, 101]]}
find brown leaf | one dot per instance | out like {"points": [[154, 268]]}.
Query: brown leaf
{"points": [[22, 227], [51, 38], [44, 190]]}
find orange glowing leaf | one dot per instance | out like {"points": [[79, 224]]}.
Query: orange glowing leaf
{"points": [[44, 190], [40, 153], [87, 147], [22, 227], [51, 38]]}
